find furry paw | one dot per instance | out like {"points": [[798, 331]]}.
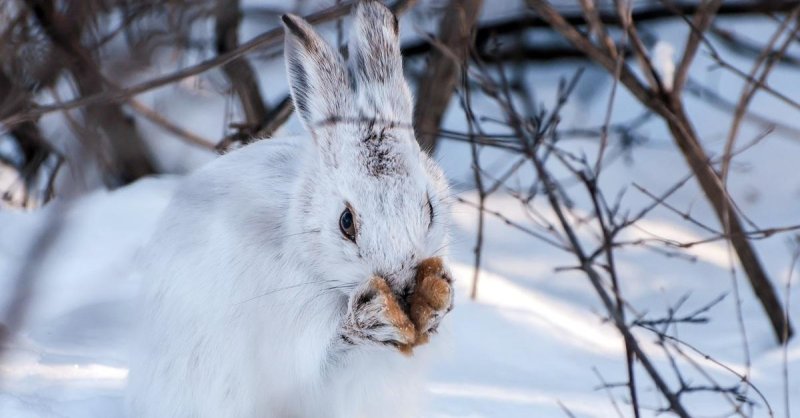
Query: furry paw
{"points": [[374, 315], [432, 298]]}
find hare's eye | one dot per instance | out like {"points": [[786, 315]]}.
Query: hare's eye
{"points": [[347, 225]]}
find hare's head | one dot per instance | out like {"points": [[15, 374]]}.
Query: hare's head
{"points": [[376, 200]]}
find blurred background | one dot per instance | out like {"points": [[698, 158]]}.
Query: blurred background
{"points": [[626, 198]]}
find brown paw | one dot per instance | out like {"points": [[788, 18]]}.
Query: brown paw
{"points": [[374, 315], [432, 298]]}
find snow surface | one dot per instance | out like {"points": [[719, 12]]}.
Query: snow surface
{"points": [[532, 340]]}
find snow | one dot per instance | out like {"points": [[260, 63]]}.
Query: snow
{"points": [[664, 62], [534, 341]]}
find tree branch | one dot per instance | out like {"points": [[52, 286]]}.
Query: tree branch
{"points": [[687, 141], [129, 158]]}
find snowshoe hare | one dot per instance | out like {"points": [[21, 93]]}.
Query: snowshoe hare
{"points": [[295, 276]]}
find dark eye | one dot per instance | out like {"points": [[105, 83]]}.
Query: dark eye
{"points": [[347, 225]]}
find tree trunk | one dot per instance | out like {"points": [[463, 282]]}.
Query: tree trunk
{"points": [[437, 84]]}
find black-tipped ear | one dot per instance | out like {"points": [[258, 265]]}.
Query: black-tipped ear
{"points": [[376, 63], [317, 75], [294, 28]]}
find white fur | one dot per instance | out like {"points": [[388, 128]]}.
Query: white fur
{"points": [[248, 279]]}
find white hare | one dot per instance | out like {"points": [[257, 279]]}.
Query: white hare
{"points": [[285, 277]]}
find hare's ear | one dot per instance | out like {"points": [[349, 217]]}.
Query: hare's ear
{"points": [[376, 64], [317, 75]]}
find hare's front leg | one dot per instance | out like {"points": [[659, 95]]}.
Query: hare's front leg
{"points": [[374, 316], [432, 298]]}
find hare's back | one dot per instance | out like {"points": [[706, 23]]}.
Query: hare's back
{"points": [[265, 169], [242, 195]]}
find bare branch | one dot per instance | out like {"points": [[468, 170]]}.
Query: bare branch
{"points": [[169, 126], [118, 136], [270, 38], [701, 22], [687, 141], [767, 59]]}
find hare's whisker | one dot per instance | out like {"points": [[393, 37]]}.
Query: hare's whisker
{"points": [[282, 289]]}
